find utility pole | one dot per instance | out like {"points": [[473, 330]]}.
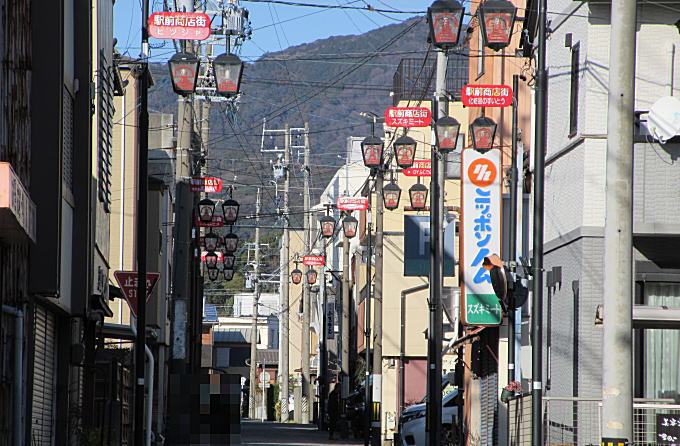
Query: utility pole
{"points": [[253, 324], [285, 283], [344, 355], [512, 230], [377, 309], [617, 398], [306, 304], [323, 362], [434, 341], [367, 328], [537, 261]]}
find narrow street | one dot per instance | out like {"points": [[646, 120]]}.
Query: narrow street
{"points": [[289, 434]]}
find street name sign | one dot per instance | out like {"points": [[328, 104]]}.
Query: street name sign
{"points": [[486, 95], [179, 25], [313, 260], [128, 282], [209, 185], [352, 203], [420, 168], [481, 235], [217, 222], [408, 117]]}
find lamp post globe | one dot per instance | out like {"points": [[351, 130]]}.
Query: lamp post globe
{"points": [[213, 273], [391, 196], [418, 196], [206, 210], [228, 274], [405, 151], [497, 20], [445, 18], [327, 224], [229, 260], [446, 131], [296, 276], [183, 73], [372, 149], [349, 226], [230, 243], [483, 131], [211, 241], [211, 260], [230, 211], [311, 276], [227, 69]]}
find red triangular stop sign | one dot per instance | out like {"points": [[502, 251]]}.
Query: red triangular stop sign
{"points": [[127, 281]]}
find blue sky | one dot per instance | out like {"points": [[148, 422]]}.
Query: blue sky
{"points": [[301, 24]]}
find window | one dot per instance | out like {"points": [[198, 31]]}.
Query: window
{"points": [[573, 98], [222, 356]]}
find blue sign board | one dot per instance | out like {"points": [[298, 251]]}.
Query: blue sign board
{"points": [[417, 246]]}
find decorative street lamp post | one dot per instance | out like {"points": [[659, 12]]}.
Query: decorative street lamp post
{"points": [[404, 151], [349, 226], [497, 19], [418, 195], [483, 130], [391, 195], [446, 131], [206, 209], [327, 224], [228, 70], [230, 210], [445, 18], [372, 150], [183, 73]]}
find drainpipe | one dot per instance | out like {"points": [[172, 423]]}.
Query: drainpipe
{"points": [[149, 392], [402, 341], [18, 370]]}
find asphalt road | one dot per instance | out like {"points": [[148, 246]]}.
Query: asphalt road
{"points": [[286, 434]]}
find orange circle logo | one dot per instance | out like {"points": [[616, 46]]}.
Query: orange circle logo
{"points": [[482, 172]]}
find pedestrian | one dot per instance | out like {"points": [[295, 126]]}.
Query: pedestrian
{"points": [[333, 411]]}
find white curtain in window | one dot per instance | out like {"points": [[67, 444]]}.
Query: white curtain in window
{"points": [[662, 347]]}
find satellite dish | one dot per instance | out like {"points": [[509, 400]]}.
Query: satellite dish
{"points": [[663, 121]]}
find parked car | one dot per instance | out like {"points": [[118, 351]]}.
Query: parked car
{"points": [[412, 422]]}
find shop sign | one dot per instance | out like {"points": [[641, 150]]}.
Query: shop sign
{"points": [[408, 117], [207, 184], [17, 211], [179, 25], [352, 203], [128, 282], [487, 96], [481, 222], [313, 260], [330, 320], [420, 168], [220, 256], [217, 222]]}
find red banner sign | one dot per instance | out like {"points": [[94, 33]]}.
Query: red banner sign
{"points": [[420, 168], [408, 117], [217, 222], [352, 203], [128, 282], [220, 256], [487, 96], [179, 25], [313, 260], [208, 184]]}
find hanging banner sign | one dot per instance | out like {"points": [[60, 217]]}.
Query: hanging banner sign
{"points": [[313, 260], [217, 222], [420, 168], [352, 203], [128, 282], [220, 255], [487, 96], [208, 184], [408, 117], [481, 179], [179, 25], [330, 320]]}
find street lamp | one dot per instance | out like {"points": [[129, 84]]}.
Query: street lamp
{"points": [[213, 273], [349, 226], [211, 260], [230, 211], [183, 73], [229, 260], [210, 241], [405, 151], [296, 275], [230, 243], [445, 18], [497, 19], [372, 151], [446, 131], [483, 130], [227, 69], [391, 195], [418, 195], [327, 226], [311, 276], [206, 209], [228, 274]]}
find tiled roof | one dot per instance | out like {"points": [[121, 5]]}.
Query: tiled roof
{"points": [[232, 335]]}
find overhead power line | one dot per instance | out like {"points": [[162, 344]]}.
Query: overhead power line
{"points": [[367, 7]]}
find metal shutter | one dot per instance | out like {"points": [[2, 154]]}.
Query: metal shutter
{"points": [[44, 379]]}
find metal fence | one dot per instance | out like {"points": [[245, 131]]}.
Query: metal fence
{"points": [[577, 421]]}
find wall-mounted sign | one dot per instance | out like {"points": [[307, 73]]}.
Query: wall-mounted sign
{"points": [[481, 222], [179, 25], [667, 428], [417, 246], [420, 168], [206, 184], [313, 260], [17, 211], [330, 320], [352, 203], [408, 117], [487, 96], [128, 282], [217, 222]]}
